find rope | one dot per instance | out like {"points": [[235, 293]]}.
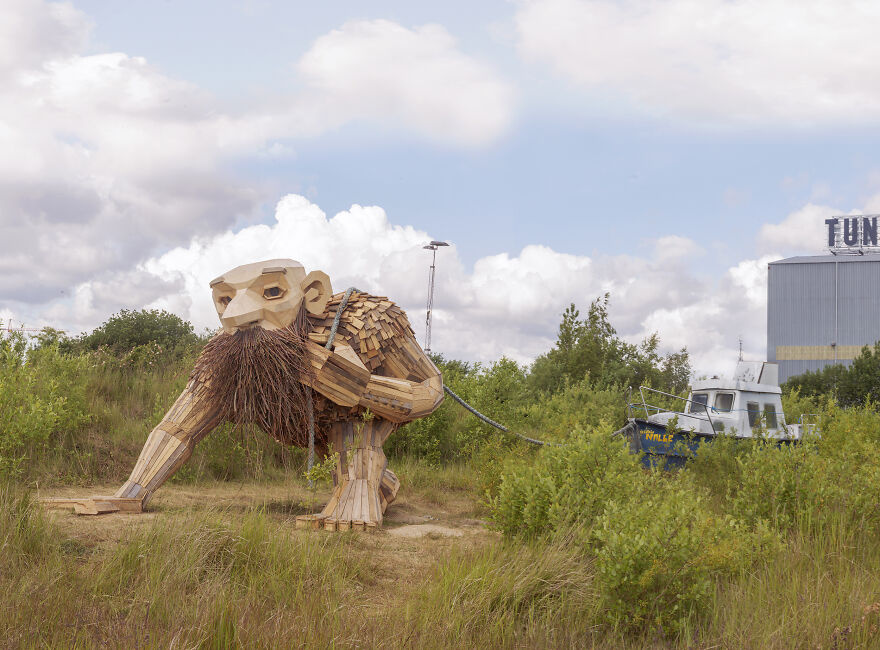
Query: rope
{"points": [[311, 407], [342, 305], [339, 310], [493, 422]]}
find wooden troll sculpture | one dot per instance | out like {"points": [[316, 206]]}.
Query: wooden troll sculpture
{"points": [[271, 366]]}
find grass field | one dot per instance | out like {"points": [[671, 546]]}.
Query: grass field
{"points": [[489, 544], [221, 565]]}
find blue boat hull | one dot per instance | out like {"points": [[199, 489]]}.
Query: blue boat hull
{"points": [[660, 448]]}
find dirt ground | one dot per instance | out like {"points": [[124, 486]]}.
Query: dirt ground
{"points": [[419, 530]]}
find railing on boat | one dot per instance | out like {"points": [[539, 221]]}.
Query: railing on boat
{"points": [[811, 427], [648, 408]]}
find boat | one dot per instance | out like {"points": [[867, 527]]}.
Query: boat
{"points": [[745, 407]]}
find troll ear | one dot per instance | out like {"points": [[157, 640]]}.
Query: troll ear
{"points": [[317, 291]]}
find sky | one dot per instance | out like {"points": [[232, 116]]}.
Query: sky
{"points": [[663, 152]]}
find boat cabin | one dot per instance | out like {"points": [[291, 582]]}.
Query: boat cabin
{"points": [[742, 406]]}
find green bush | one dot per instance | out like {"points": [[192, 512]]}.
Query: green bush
{"points": [[658, 542], [41, 398], [453, 434], [659, 552], [781, 485], [553, 416], [565, 486], [821, 482], [127, 330], [800, 407]]}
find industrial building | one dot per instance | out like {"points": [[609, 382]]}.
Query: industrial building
{"points": [[823, 309]]}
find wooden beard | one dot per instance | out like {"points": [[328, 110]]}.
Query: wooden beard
{"points": [[256, 376]]}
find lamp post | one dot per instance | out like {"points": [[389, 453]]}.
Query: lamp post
{"points": [[433, 246]]}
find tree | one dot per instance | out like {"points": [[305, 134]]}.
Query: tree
{"points": [[591, 347], [821, 382], [127, 330], [861, 381], [852, 385], [49, 336]]}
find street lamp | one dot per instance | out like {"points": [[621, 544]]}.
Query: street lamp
{"points": [[433, 246]]}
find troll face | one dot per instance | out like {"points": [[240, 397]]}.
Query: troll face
{"points": [[268, 294], [254, 370]]}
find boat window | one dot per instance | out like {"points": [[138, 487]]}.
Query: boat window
{"points": [[724, 402], [770, 415], [698, 403], [754, 410]]}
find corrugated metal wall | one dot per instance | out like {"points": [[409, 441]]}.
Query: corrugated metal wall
{"points": [[859, 303], [801, 308]]}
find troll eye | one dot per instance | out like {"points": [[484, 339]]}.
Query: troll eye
{"points": [[270, 293], [224, 300]]}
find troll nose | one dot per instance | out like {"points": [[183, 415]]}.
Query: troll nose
{"points": [[243, 310]]}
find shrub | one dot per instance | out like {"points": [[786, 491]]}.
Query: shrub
{"points": [[818, 483], [565, 485], [715, 466], [659, 553], [451, 433], [39, 398], [780, 484], [127, 330], [553, 416]]}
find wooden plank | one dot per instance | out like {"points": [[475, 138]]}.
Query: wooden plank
{"points": [[331, 504], [365, 452], [346, 501], [372, 504], [160, 444], [147, 451], [87, 506], [158, 462], [365, 500], [121, 504], [129, 490], [357, 513]]}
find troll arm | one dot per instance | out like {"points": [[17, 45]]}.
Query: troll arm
{"points": [[171, 442], [169, 445], [341, 376]]}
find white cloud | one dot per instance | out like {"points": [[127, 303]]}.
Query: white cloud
{"points": [[32, 32], [508, 304], [386, 72], [801, 232], [740, 60], [105, 160]]}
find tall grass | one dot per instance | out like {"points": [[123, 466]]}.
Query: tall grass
{"points": [[822, 592], [197, 581], [507, 596]]}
